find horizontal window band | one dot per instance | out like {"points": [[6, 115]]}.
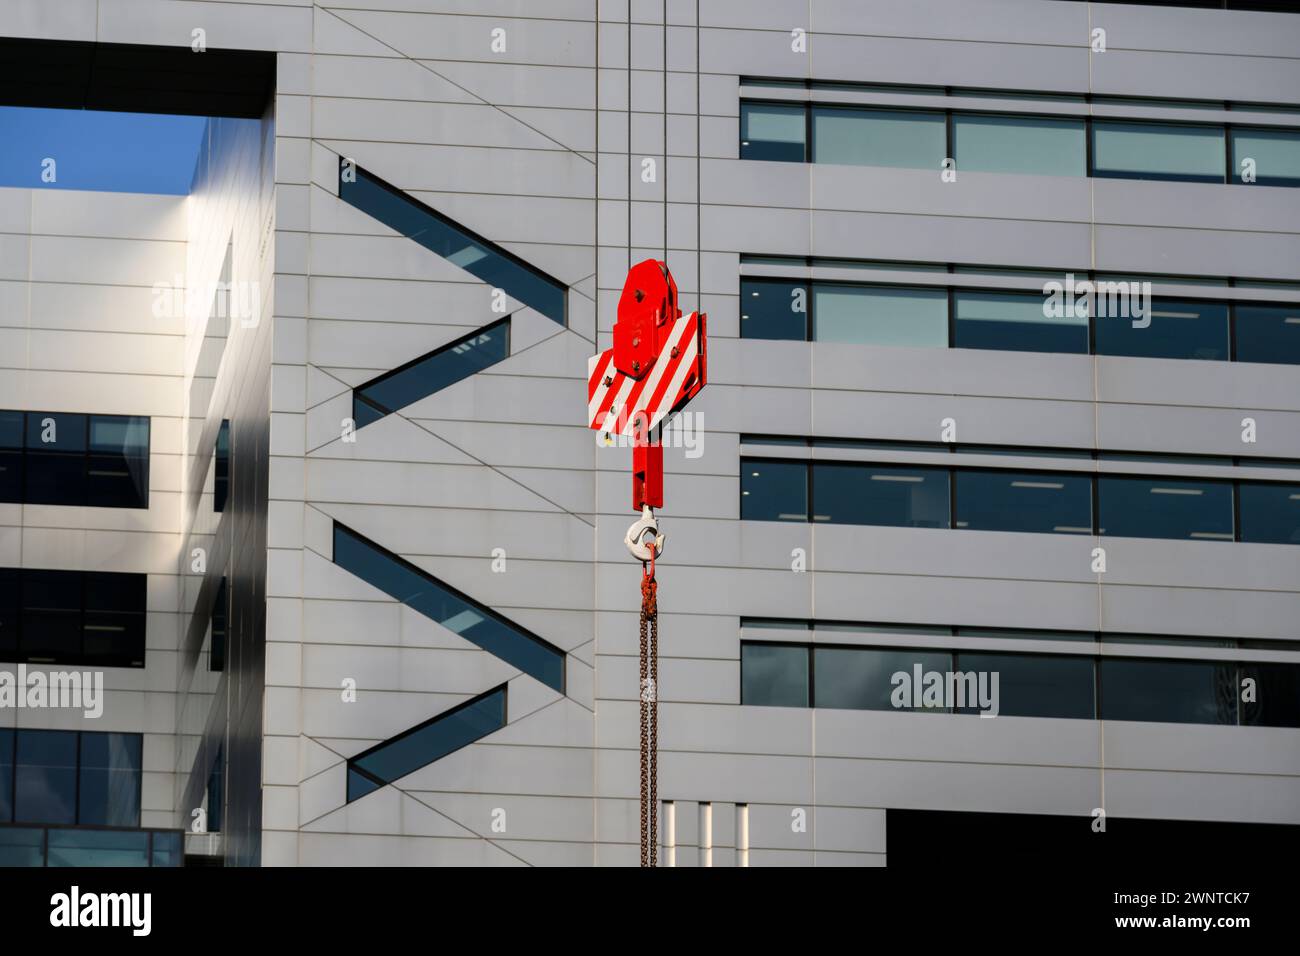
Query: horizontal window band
{"points": [[1020, 684], [989, 498], [1020, 451]]}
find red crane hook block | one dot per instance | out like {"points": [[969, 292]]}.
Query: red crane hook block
{"points": [[657, 364]]}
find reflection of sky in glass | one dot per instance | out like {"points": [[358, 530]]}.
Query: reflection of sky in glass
{"points": [[113, 152]]}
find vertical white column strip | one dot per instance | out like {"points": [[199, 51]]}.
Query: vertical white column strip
{"points": [[742, 834], [706, 834], [670, 833]]}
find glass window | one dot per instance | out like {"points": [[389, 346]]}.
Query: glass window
{"points": [[45, 776], [117, 474], [773, 490], [1270, 514], [421, 746], [11, 456], [444, 366], [1165, 508], [769, 131], [453, 242], [114, 623], [6, 776], [22, 846], [217, 790], [10, 603], [1180, 692], [1268, 333], [221, 468], [1184, 330], [1277, 695], [167, 848], [1031, 145], [1001, 635], [51, 617], [56, 458], [878, 137], [773, 309], [880, 315], [900, 496], [475, 622], [774, 675], [1015, 322], [1024, 501], [1158, 151], [110, 780], [1276, 153], [873, 679], [1032, 685], [217, 649], [98, 847]]}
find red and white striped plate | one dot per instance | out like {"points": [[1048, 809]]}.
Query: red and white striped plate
{"points": [[613, 399]]}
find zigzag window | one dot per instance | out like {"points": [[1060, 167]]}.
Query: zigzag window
{"points": [[430, 373], [458, 245], [420, 746], [473, 621]]}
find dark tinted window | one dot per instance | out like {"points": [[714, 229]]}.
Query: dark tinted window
{"points": [[459, 246], [773, 490], [899, 496], [870, 679], [6, 778], [1024, 501], [1178, 329], [1268, 333], [1276, 693], [445, 366], [110, 780], [45, 789], [221, 468], [773, 309], [10, 602], [217, 791], [56, 458], [1034, 685], [11, 456], [117, 469], [1165, 508], [771, 131], [475, 622], [774, 675], [51, 618], [1184, 692], [217, 649], [1015, 322], [73, 617], [430, 741], [1270, 514], [114, 623]]}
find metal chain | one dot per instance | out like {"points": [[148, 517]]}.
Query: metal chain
{"points": [[649, 693], [654, 728]]}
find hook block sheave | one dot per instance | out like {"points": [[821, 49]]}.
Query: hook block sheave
{"points": [[657, 364]]}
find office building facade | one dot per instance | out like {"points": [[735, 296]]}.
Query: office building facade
{"points": [[1003, 417]]}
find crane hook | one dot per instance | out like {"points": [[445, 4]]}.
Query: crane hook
{"points": [[641, 549]]}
